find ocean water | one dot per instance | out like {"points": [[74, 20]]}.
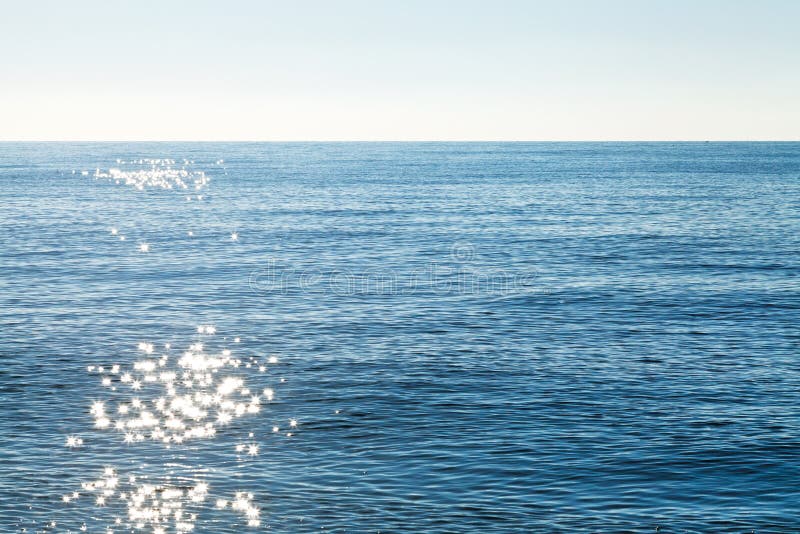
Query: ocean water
{"points": [[471, 337]]}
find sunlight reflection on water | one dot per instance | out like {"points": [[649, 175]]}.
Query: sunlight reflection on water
{"points": [[170, 397]]}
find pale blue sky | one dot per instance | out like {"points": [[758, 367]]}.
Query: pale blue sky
{"points": [[546, 70]]}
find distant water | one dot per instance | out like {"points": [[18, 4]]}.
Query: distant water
{"points": [[476, 337]]}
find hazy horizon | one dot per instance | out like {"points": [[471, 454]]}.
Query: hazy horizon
{"points": [[419, 141]]}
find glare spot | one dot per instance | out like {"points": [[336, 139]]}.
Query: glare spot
{"points": [[74, 442]]}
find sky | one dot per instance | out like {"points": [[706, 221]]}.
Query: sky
{"points": [[400, 70]]}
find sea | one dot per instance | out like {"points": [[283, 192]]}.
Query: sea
{"points": [[400, 337]]}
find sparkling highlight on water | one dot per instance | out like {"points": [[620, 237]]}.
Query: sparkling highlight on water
{"points": [[169, 398], [155, 173]]}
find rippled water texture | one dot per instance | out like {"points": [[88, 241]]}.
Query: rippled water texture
{"points": [[470, 337]]}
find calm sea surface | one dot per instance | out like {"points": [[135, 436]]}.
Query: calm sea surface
{"points": [[472, 337]]}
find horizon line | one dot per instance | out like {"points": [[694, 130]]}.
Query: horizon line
{"points": [[400, 140]]}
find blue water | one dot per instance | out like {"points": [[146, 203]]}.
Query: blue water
{"points": [[476, 337]]}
